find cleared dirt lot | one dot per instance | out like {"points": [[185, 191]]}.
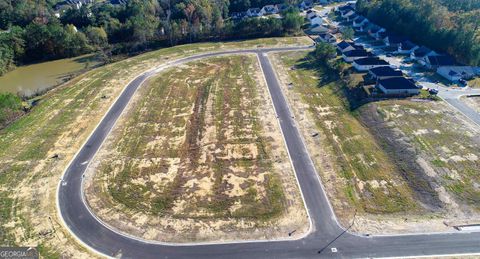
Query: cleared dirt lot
{"points": [[386, 160], [197, 157], [59, 124]]}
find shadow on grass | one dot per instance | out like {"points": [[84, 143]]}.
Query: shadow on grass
{"points": [[353, 95]]}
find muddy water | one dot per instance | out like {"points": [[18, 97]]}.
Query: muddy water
{"points": [[31, 79]]}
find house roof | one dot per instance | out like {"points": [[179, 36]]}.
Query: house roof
{"points": [[407, 45], [422, 51], [442, 60], [307, 2], [371, 61], [349, 12], [355, 46], [375, 29], [326, 35], [382, 34], [397, 83], [353, 16], [357, 53], [359, 19], [385, 71], [269, 7], [238, 15], [343, 45], [282, 6], [317, 26], [395, 39], [346, 7]]}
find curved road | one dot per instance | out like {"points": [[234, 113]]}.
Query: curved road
{"points": [[326, 239]]}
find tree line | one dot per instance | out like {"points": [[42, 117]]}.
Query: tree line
{"points": [[30, 30], [451, 26]]}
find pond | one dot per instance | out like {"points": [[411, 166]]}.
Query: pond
{"points": [[37, 78]]}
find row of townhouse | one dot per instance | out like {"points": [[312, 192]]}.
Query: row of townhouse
{"points": [[259, 12], [318, 25], [387, 80], [443, 64]]}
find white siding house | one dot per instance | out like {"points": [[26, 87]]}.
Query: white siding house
{"points": [[397, 86], [365, 64], [455, 73]]}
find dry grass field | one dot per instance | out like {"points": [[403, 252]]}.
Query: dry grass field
{"points": [[59, 124], [404, 166], [199, 146]]}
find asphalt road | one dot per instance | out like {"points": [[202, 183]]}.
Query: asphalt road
{"points": [[327, 238], [453, 95]]}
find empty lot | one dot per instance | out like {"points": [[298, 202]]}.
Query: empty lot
{"points": [[59, 125], [402, 165], [197, 156]]}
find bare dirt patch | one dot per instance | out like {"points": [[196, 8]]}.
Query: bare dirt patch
{"points": [[225, 175], [405, 166]]}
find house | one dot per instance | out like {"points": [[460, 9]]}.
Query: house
{"points": [[365, 64], [379, 73], [381, 35], [317, 29], [393, 40], [375, 30], [421, 53], [254, 12], [281, 7], [238, 15], [406, 47], [316, 20], [350, 56], [352, 17], [306, 4], [359, 21], [349, 6], [344, 46], [326, 37], [455, 73], [436, 61], [67, 4], [363, 28], [118, 2], [269, 9], [310, 13], [397, 86], [347, 13]]}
